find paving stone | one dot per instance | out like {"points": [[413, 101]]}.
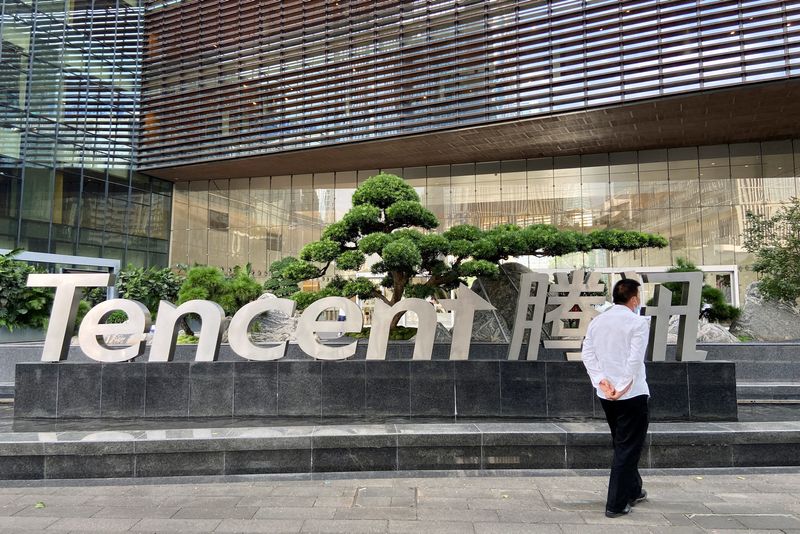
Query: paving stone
{"points": [[59, 511], [93, 524], [615, 527], [6, 511], [279, 502], [539, 516], [430, 527], [344, 502], [634, 518], [730, 508], [366, 526], [432, 514], [401, 502], [506, 504], [678, 530], [769, 522], [514, 528], [312, 491], [679, 520], [375, 512], [716, 521], [441, 502], [122, 512], [52, 500], [199, 501], [175, 525], [383, 501], [15, 524], [236, 512], [119, 501], [316, 512], [273, 526]]}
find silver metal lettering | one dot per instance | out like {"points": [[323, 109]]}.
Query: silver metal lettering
{"points": [[92, 330], [688, 310], [211, 316], [308, 326], [65, 307], [382, 319], [463, 308], [574, 286], [532, 292], [237, 331]]}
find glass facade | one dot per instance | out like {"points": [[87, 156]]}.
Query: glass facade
{"points": [[697, 197], [231, 79], [69, 97]]}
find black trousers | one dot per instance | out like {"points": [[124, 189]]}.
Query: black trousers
{"points": [[628, 420]]}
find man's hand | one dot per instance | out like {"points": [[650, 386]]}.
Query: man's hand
{"points": [[619, 393], [607, 389]]}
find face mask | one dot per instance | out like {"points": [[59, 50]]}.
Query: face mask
{"points": [[637, 310]]}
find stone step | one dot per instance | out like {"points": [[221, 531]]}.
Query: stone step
{"points": [[778, 391], [317, 450]]}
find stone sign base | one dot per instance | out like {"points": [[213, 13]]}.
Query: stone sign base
{"points": [[680, 391]]}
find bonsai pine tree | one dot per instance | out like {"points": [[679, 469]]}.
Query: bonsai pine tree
{"points": [[388, 220]]}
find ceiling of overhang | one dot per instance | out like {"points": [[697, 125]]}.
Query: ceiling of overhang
{"points": [[745, 113]]}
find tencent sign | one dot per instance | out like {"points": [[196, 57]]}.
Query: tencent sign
{"points": [[568, 293]]}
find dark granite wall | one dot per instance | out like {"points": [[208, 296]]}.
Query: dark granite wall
{"points": [[680, 391]]}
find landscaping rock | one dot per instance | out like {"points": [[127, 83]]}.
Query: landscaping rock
{"points": [[767, 320]]}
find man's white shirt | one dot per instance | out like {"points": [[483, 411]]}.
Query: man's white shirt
{"points": [[614, 349]]}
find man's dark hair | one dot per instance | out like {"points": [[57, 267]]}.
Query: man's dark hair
{"points": [[625, 290]]}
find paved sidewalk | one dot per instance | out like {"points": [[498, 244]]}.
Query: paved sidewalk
{"points": [[680, 502]]}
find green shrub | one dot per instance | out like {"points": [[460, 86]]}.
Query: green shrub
{"points": [[149, 286], [20, 305], [712, 302]]}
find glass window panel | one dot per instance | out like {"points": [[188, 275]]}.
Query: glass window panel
{"points": [[515, 190], [37, 194], [218, 249], [686, 238], [259, 201], [652, 160], [438, 191], [719, 228], [198, 205], [653, 189], [745, 154], [683, 158], [304, 225], [777, 159], [716, 186], [462, 195], [488, 187], [325, 189], [714, 156], [345, 187]]}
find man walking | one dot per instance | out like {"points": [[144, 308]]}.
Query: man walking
{"points": [[613, 353]]}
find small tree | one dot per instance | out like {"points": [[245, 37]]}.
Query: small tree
{"points": [[388, 220], [775, 242], [277, 284], [712, 302], [210, 283]]}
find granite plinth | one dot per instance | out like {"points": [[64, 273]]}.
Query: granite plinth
{"points": [[681, 391], [386, 447]]}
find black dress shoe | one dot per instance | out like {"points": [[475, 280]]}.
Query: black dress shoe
{"points": [[624, 511], [642, 497]]}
